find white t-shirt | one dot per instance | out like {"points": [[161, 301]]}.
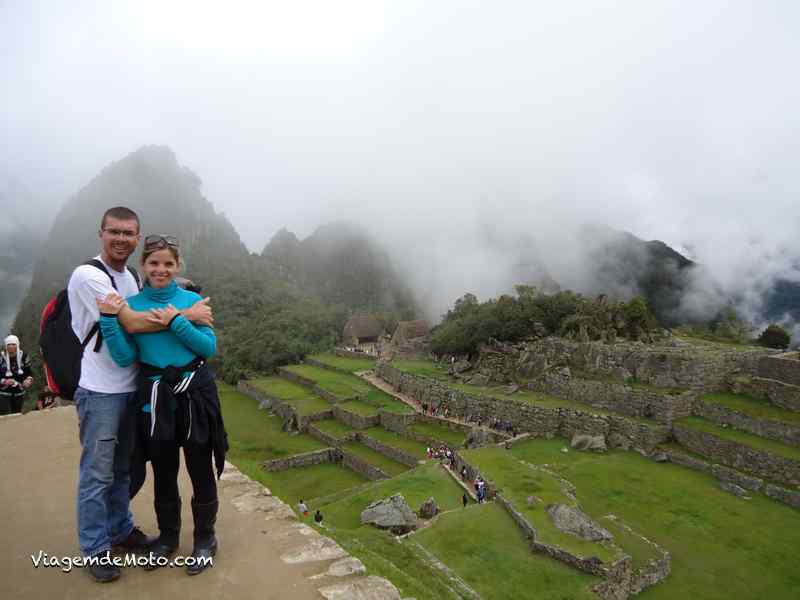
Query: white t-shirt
{"points": [[99, 372]]}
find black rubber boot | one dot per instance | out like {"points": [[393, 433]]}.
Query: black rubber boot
{"points": [[168, 515], [205, 541]]}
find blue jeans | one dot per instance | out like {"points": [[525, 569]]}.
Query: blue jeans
{"points": [[106, 433]]}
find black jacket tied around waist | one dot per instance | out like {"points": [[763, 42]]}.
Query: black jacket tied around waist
{"points": [[184, 407]]}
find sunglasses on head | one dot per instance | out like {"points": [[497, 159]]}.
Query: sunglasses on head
{"points": [[160, 241]]}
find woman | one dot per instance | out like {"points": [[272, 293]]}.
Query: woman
{"points": [[15, 376], [177, 402]]}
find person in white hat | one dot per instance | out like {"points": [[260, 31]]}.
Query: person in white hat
{"points": [[15, 376]]}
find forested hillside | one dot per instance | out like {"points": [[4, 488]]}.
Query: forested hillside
{"points": [[263, 317]]}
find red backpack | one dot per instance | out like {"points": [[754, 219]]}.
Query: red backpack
{"points": [[62, 351]]}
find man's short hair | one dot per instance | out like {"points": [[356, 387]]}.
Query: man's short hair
{"points": [[123, 213]]}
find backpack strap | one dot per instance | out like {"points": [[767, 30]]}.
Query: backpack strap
{"points": [[99, 265], [96, 327], [135, 274]]}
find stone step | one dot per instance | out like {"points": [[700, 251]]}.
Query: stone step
{"points": [[764, 458], [750, 414]]}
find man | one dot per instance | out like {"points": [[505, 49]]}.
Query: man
{"points": [[15, 376], [103, 394]]}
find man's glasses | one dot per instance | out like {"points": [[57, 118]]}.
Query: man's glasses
{"points": [[160, 241], [125, 234]]}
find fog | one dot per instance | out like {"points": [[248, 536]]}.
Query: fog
{"points": [[451, 129]]}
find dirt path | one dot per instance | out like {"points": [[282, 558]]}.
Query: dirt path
{"points": [[265, 552]]}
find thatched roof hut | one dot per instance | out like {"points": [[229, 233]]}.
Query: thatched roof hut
{"points": [[409, 330], [362, 328]]}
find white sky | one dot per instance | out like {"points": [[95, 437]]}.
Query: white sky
{"points": [[674, 120]]}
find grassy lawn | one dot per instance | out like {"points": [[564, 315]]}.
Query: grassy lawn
{"points": [[340, 385], [416, 485], [360, 408], [449, 436], [753, 407], [387, 402], [748, 439], [390, 438], [376, 459], [304, 401], [425, 368], [722, 547], [484, 547], [353, 365], [334, 428], [253, 434], [516, 481], [255, 437]]}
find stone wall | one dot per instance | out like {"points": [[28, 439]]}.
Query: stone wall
{"points": [[790, 497], [685, 460], [681, 366], [395, 422], [389, 451], [620, 580], [359, 466], [781, 431], [349, 354], [538, 420], [778, 393], [306, 459], [780, 367], [354, 420], [744, 458], [633, 401]]}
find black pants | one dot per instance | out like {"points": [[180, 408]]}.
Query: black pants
{"points": [[166, 464], [10, 404]]}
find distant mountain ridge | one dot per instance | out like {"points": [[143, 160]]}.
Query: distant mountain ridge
{"points": [[342, 264]]}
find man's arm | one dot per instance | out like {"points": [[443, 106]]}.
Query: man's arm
{"points": [[134, 321]]}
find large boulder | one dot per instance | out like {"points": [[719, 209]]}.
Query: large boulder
{"points": [[479, 379], [429, 509], [392, 513], [596, 443], [571, 520]]}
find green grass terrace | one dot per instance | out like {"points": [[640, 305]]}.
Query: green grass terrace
{"points": [[488, 551], [516, 481], [451, 437], [390, 438], [255, 437], [376, 459], [722, 547], [258, 435], [334, 428], [340, 385], [741, 437], [352, 365], [753, 407], [303, 400]]}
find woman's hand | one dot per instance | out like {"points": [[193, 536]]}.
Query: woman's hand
{"points": [[163, 316], [28, 382], [111, 305]]}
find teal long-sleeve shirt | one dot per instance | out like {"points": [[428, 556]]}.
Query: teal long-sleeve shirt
{"points": [[176, 346]]}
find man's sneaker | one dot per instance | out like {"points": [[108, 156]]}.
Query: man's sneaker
{"points": [[136, 540], [103, 573]]}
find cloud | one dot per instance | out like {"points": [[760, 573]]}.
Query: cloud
{"points": [[450, 128]]}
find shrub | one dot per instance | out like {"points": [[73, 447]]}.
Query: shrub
{"points": [[775, 336]]}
